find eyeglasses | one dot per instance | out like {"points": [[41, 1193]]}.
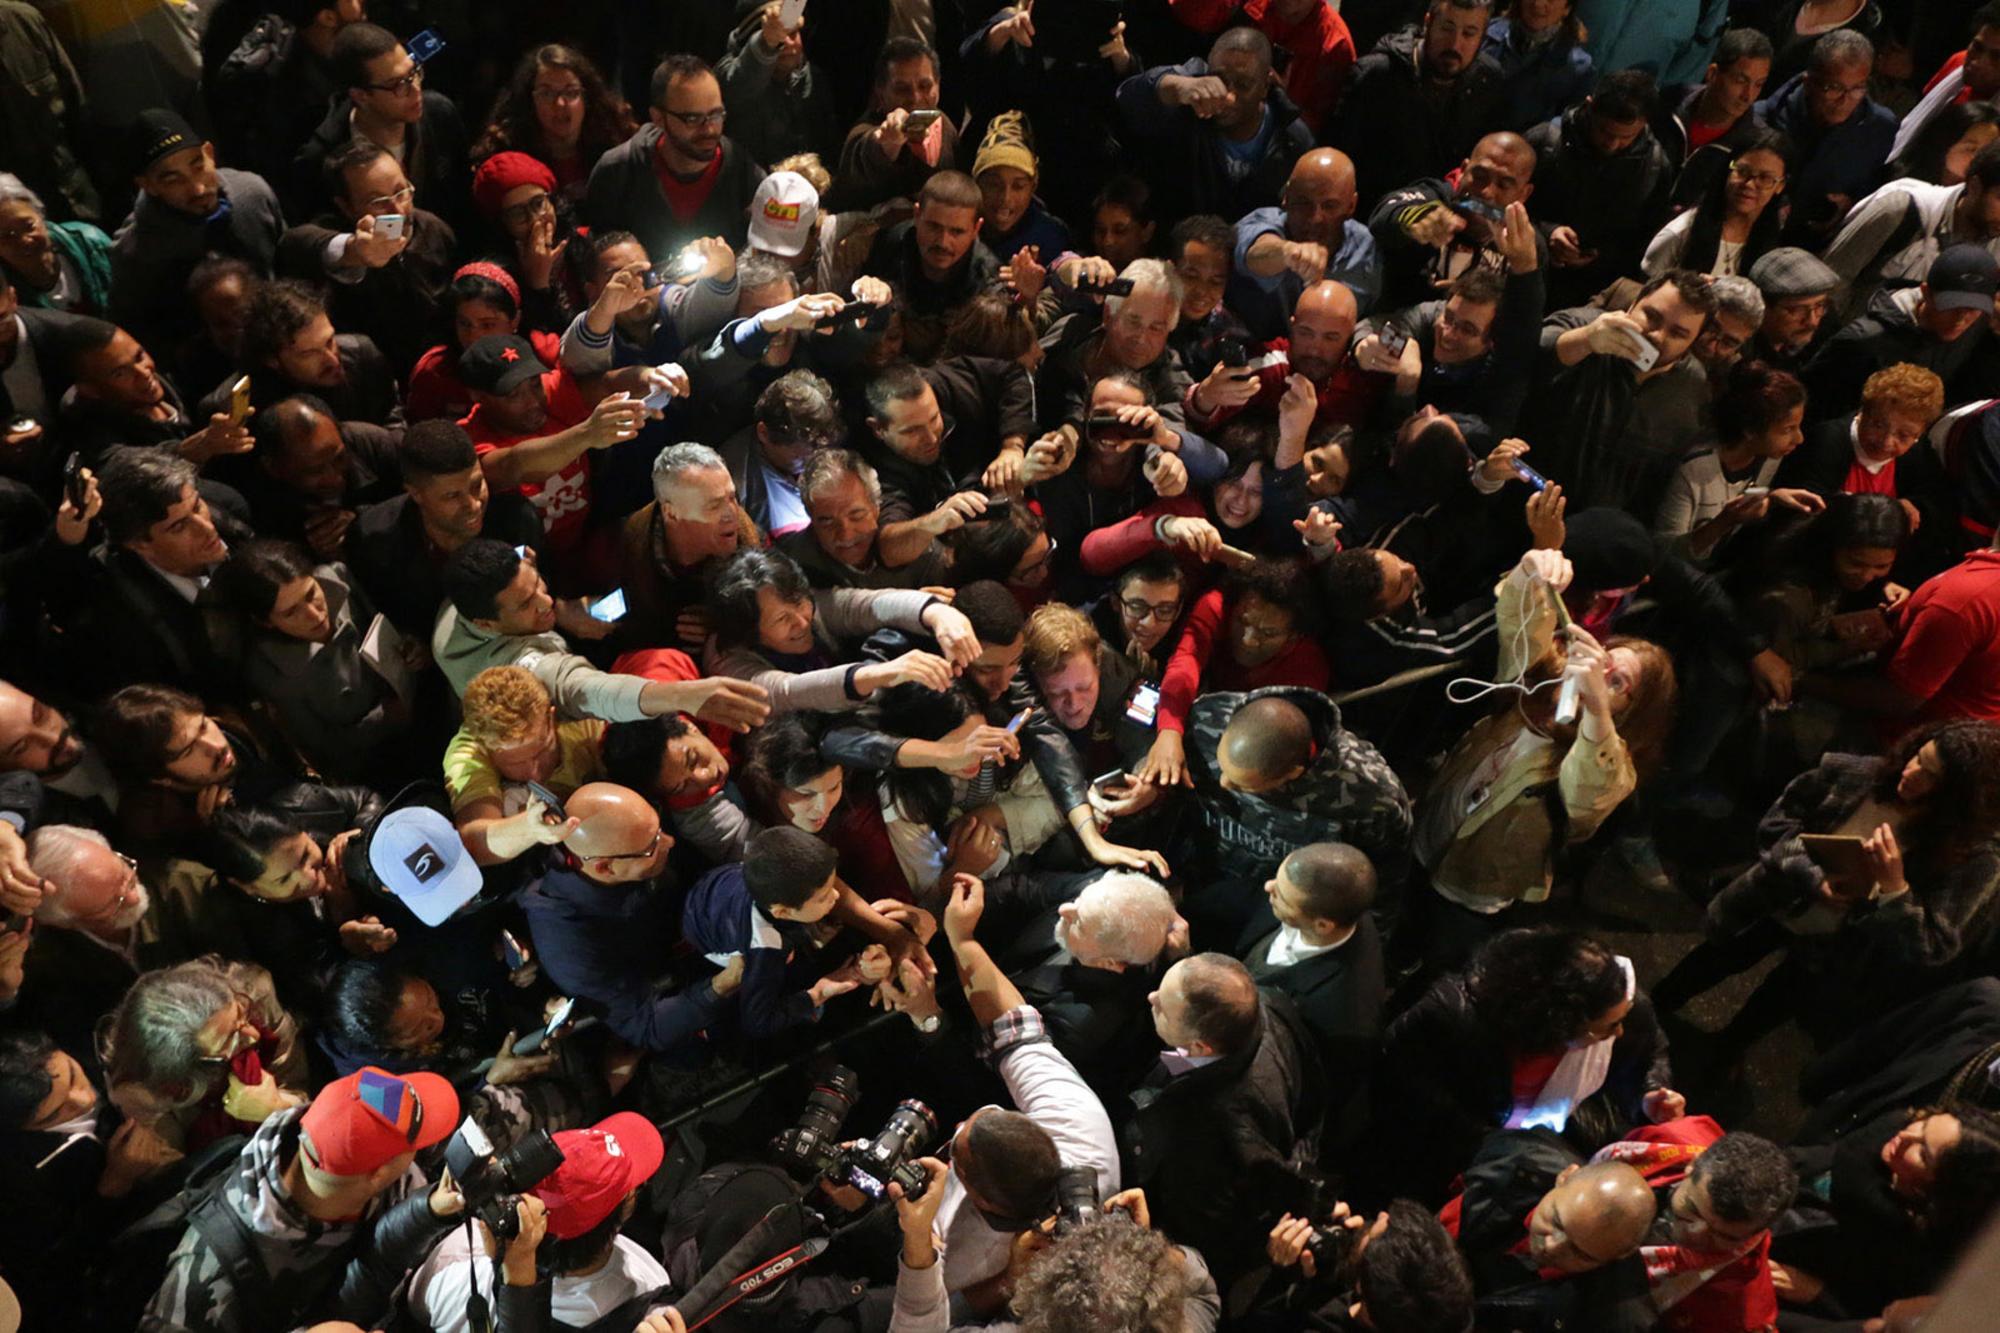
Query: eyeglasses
{"points": [[414, 79], [1164, 612], [647, 850], [694, 120], [393, 203], [1263, 633], [1029, 573], [1841, 90], [558, 96], [1763, 180], [243, 1034], [527, 210]]}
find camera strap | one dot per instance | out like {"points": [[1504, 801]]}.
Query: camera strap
{"points": [[749, 1266]]}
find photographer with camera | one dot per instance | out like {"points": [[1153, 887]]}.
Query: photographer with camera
{"points": [[1005, 1164], [1397, 1273], [323, 1211], [565, 1261], [1103, 1270]]}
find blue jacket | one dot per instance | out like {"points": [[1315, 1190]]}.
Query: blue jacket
{"points": [[607, 944], [720, 918], [1846, 159], [1265, 304], [1541, 82], [1669, 39]]}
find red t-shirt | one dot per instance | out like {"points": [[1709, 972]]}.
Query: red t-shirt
{"points": [[437, 391], [1700, 135], [1949, 655], [1860, 481], [1201, 663], [685, 198], [563, 500]]}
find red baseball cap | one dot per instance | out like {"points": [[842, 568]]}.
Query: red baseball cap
{"points": [[601, 1165], [359, 1124]]}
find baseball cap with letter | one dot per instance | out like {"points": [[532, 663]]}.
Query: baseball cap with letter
{"points": [[783, 213], [359, 1124], [601, 1165], [1963, 278], [421, 861]]}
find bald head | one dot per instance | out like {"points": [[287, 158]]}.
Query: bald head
{"points": [[1594, 1216], [1266, 744], [618, 835], [1500, 170], [1327, 301], [1319, 197]]}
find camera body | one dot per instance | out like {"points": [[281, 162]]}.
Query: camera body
{"points": [[492, 1180], [1333, 1248], [1076, 1198], [812, 1149]]}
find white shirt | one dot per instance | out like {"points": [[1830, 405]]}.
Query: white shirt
{"points": [[1288, 946], [1045, 1087], [23, 377], [441, 1287], [188, 588], [1871, 466]]}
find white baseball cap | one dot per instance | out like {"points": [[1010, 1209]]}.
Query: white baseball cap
{"points": [[783, 213], [418, 856]]}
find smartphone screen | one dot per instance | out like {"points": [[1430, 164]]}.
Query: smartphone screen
{"points": [[1020, 719], [424, 45], [239, 400], [1145, 704], [609, 608]]}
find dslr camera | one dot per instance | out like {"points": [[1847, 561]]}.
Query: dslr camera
{"points": [[493, 1181], [1076, 1198], [811, 1150]]}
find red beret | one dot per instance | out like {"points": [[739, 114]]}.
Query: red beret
{"points": [[507, 171]]}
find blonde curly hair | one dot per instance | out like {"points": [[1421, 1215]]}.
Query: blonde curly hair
{"points": [[504, 704]]}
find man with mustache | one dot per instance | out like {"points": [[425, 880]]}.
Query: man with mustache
{"points": [[37, 738], [1419, 99], [679, 177]]}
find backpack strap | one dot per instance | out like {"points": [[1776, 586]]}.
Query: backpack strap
{"points": [[625, 1317]]}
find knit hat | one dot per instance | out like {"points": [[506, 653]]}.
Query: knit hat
{"points": [[492, 272], [506, 171], [1608, 548], [1006, 145], [156, 134]]}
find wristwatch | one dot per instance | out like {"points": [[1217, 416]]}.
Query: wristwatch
{"points": [[929, 1025]]}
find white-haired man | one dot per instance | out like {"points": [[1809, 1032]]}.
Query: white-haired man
{"points": [[1085, 950], [89, 937], [669, 546]]}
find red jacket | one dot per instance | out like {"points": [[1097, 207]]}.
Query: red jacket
{"points": [[1196, 668]]}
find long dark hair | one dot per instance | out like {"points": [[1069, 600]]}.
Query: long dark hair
{"points": [[1705, 235], [780, 756], [918, 713], [1924, 158], [1539, 989], [1964, 811], [606, 120], [1804, 555]]}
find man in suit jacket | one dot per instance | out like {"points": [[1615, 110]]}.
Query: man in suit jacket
{"points": [[146, 588], [1236, 1098], [1316, 943], [36, 348]]}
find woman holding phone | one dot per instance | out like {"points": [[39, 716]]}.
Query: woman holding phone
{"points": [[1903, 895]]}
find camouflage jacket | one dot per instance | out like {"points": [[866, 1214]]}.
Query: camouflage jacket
{"points": [[1348, 793], [304, 1260]]}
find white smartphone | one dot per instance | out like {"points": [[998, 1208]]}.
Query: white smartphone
{"points": [[1275, 358], [1755, 492], [790, 12], [389, 226], [1649, 355]]}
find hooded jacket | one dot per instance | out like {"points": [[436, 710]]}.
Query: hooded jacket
{"points": [[1192, 167], [1695, 169], [158, 247], [1614, 204], [1396, 133], [770, 118], [1887, 334], [1348, 793], [308, 1266], [625, 192]]}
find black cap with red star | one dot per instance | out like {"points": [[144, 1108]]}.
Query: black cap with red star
{"points": [[499, 363]]}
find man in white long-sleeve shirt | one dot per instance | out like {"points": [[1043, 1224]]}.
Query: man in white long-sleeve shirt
{"points": [[1004, 1163]]}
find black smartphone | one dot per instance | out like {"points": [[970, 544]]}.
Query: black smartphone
{"points": [[1111, 426], [854, 312], [998, 506], [1115, 287], [1394, 340], [1233, 353], [548, 798], [73, 481]]}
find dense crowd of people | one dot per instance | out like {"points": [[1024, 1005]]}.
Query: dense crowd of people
{"points": [[858, 665]]}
